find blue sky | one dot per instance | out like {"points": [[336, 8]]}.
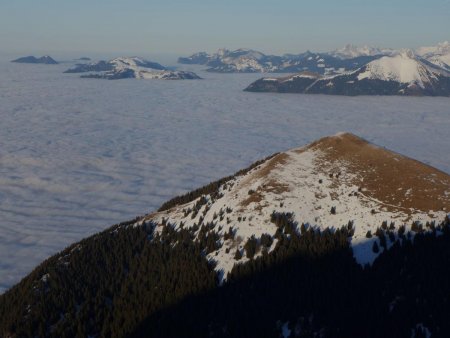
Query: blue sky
{"points": [[182, 27]]}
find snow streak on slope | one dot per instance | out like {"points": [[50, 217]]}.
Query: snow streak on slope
{"points": [[329, 183]]}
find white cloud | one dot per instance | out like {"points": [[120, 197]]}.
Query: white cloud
{"points": [[78, 155]]}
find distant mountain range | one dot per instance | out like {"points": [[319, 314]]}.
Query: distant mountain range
{"points": [[400, 74], [250, 61], [335, 62], [338, 238], [351, 51], [129, 67], [32, 59], [438, 55]]}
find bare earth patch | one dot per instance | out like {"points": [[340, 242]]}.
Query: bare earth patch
{"points": [[268, 184]]}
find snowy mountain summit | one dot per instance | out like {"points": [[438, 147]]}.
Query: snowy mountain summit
{"points": [[130, 67], [351, 51], [438, 55], [403, 73], [333, 182], [441, 48], [403, 67]]}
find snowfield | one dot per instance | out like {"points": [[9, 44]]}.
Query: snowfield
{"points": [[78, 155]]}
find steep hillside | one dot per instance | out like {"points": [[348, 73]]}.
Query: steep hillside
{"points": [[339, 237], [329, 183]]}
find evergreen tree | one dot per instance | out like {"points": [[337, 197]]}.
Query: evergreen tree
{"points": [[375, 247], [251, 247], [238, 255]]}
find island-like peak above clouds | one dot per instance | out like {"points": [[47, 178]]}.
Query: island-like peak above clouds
{"points": [[130, 67], [403, 73], [46, 59]]}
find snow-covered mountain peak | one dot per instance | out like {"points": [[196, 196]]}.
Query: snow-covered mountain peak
{"points": [[131, 60], [135, 62], [438, 55], [402, 73], [441, 48], [328, 183], [352, 51], [403, 67]]}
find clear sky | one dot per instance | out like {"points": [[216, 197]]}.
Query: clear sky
{"points": [[186, 26]]}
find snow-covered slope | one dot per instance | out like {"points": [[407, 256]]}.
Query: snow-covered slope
{"points": [[438, 55], [403, 67], [329, 183], [130, 67], [403, 73]]}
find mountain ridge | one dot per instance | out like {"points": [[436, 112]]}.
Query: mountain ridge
{"points": [[400, 74], [340, 60], [130, 67], [438, 55], [251, 61]]}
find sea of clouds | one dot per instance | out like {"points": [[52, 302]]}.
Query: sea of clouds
{"points": [[78, 155]]}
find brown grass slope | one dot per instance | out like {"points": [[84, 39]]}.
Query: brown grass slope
{"points": [[394, 179]]}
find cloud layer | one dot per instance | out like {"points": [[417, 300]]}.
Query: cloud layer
{"points": [[78, 155]]}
